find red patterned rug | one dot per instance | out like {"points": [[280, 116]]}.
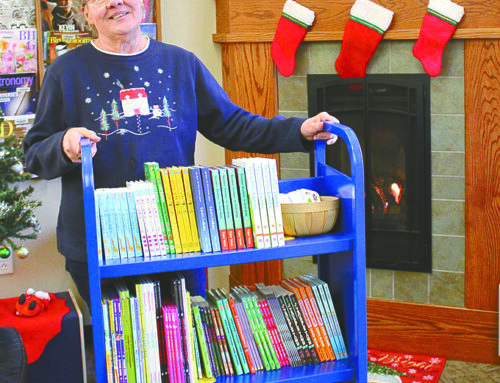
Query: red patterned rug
{"points": [[394, 367]]}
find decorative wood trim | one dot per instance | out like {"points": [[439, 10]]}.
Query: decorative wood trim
{"points": [[157, 19], [482, 174], [249, 79], [454, 333], [256, 21], [402, 34]]}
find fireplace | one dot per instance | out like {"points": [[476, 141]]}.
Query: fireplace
{"points": [[391, 117]]}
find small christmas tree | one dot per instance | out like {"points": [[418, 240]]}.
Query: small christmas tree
{"points": [[17, 216]]}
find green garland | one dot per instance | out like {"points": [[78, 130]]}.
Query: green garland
{"points": [[17, 215], [384, 370]]}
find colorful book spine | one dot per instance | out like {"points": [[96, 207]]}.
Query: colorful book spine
{"points": [[221, 339], [181, 301], [120, 223], [306, 314], [155, 178], [227, 331], [181, 208], [253, 201], [294, 306], [100, 251], [169, 200], [273, 357], [235, 204], [234, 331], [273, 170], [210, 205], [219, 208], [292, 323], [281, 324], [145, 214], [228, 213], [197, 350], [241, 333], [121, 203], [107, 241], [190, 208], [150, 176], [114, 342], [256, 329], [274, 333], [245, 207], [158, 238], [200, 209], [111, 221], [216, 349], [134, 222], [242, 315], [268, 223], [313, 307], [140, 211], [177, 353], [143, 331], [127, 335], [107, 342], [119, 340], [327, 298], [202, 341], [138, 351]]}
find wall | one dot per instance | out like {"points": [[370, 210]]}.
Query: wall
{"points": [[445, 285], [189, 24]]}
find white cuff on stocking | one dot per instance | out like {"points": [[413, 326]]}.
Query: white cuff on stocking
{"points": [[298, 14], [372, 15], [446, 10]]}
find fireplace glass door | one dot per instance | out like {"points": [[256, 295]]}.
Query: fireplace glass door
{"points": [[390, 115]]}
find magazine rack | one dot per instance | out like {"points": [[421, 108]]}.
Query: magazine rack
{"points": [[341, 263]]}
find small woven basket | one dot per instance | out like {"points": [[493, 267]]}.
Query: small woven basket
{"points": [[303, 219]]}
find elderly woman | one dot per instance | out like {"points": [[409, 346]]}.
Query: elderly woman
{"points": [[137, 100]]}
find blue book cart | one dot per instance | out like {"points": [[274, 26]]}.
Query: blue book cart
{"points": [[341, 263]]}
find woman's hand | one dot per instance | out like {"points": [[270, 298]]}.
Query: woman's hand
{"points": [[312, 128], [71, 143]]}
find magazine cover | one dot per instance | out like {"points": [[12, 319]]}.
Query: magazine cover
{"points": [[58, 43], [18, 51], [16, 14], [63, 16], [18, 94], [16, 125]]}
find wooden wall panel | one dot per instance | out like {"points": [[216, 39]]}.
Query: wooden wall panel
{"points": [[451, 332], [482, 174], [248, 77], [243, 20]]}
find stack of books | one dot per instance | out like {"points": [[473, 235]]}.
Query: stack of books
{"points": [[156, 332], [179, 210]]}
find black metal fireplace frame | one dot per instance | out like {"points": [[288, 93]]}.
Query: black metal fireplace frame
{"points": [[408, 250]]}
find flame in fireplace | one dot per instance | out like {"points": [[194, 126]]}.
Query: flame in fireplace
{"points": [[386, 195], [396, 192]]}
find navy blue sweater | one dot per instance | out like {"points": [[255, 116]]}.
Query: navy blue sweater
{"points": [[145, 107]]}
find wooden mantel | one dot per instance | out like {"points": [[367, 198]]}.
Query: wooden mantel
{"points": [[246, 29], [255, 21]]}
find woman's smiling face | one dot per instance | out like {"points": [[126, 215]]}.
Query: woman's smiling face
{"points": [[115, 19]]}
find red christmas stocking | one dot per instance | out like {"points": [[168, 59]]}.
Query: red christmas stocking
{"points": [[292, 27], [362, 34], [439, 24]]}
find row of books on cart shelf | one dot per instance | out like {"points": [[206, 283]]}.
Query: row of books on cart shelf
{"points": [[190, 209], [155, 331]]}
